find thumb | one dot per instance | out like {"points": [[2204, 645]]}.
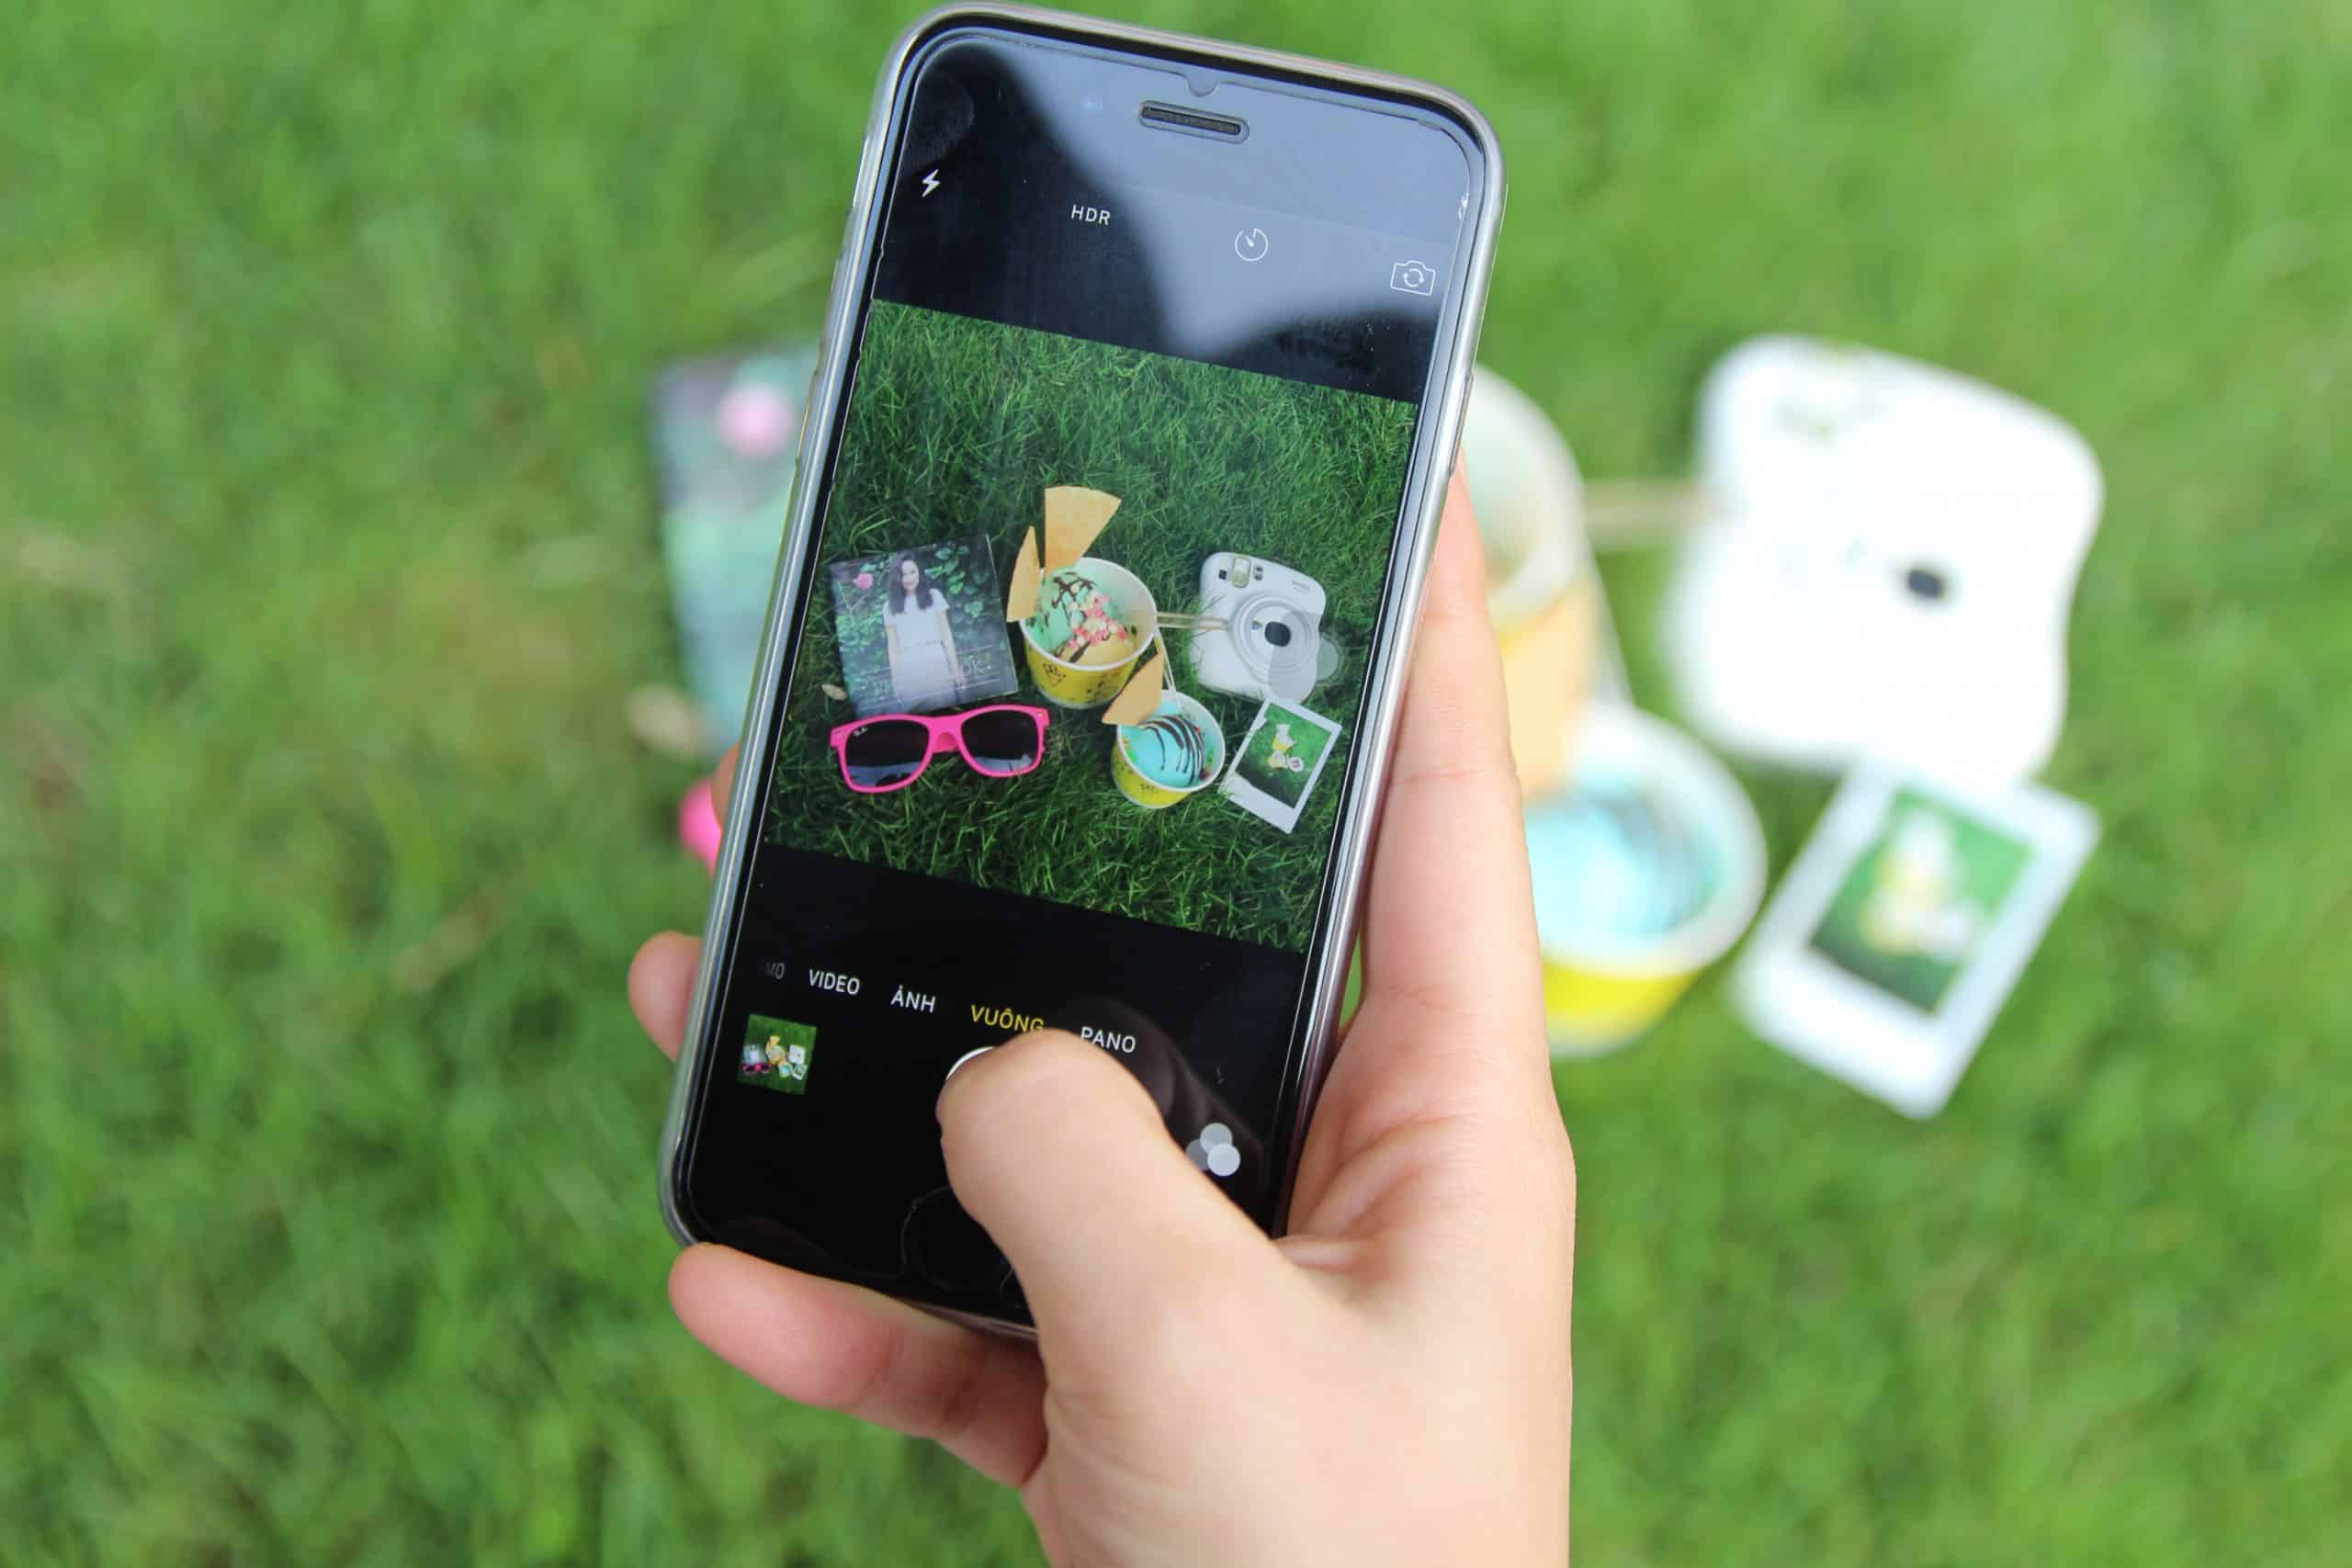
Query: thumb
{"points": [[1060, 1154]]}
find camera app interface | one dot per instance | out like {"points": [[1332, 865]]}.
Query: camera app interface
{"points": [[1075, 687], [1106, 655]]}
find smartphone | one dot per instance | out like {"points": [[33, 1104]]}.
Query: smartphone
{"points": [[1141, 381]]}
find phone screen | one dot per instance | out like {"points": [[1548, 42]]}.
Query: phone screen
{"points": [[1080, 649]]}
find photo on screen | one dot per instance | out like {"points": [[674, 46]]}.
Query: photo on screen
{"points": [[1239, 524], [1285, 751], [1281, 759], [922, 628], [777, 1054]]}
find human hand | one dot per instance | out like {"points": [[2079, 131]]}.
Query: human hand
{"points": [[1388, 1383]]}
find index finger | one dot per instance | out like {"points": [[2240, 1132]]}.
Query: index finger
{"points": [[1450, 971]]}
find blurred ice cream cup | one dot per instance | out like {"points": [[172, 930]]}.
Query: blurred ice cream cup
{"points": [[1647, 868], [1541, 589]]}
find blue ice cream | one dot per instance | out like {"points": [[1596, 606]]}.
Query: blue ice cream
{"points": [[1613, 860], [1170, 749]]}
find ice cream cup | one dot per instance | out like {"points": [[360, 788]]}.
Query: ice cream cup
{"points": [[1530, 500], [1149, 794], [1601, 991], [1070, 684]]}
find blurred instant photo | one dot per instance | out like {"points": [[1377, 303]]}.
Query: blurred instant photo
{"points": [[1903, 925], [1280, 760]]}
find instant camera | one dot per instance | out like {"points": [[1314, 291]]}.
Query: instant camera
{"points": [[1259, 630]]}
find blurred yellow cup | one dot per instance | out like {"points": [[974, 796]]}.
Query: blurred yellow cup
{"points": [[1648, 867], [1542, 591]]}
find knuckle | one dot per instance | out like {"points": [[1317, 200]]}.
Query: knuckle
{"points": [[867, 1372], [1560, 1168], [1459, 601], [1466, 740], [962, 1403]]}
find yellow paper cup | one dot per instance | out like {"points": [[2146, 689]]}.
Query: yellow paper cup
{"points": [[1603, 989], [1542, 591], [1529, 499], [1154, 796], [1067, 683]]}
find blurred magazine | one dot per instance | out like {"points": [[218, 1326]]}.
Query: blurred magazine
{"points": [[725, 436]]}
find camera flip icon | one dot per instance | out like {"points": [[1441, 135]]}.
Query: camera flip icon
{"points": [[1412, 278]]}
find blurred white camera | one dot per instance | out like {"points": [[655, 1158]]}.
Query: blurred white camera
{"points": [[1891, 569]]}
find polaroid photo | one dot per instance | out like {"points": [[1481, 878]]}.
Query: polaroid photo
{"points": [[1903, 926], [1278, 760], [920, 629]]}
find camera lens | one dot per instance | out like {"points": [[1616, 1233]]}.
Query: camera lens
{"points": [[1276, 633]]}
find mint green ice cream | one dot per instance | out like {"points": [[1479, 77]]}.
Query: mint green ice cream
{"points": [[1079, 620]]}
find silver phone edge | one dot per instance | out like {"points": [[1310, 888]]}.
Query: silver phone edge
{"points": [[1436, 448]]}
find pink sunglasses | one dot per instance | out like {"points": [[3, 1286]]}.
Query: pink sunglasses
{"points": [[890, 750]]}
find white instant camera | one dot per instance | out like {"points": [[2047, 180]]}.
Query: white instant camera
{"points": [[1892, 568], [1269, 640]]}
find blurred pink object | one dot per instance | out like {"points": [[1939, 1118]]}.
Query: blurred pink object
{"points": [[755, 421], [698, 827]]}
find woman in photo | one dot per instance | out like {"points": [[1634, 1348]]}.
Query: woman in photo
{"points": [[925, 673]]}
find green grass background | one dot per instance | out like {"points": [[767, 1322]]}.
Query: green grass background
{"points": [[326, 556], [960, 424]]}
